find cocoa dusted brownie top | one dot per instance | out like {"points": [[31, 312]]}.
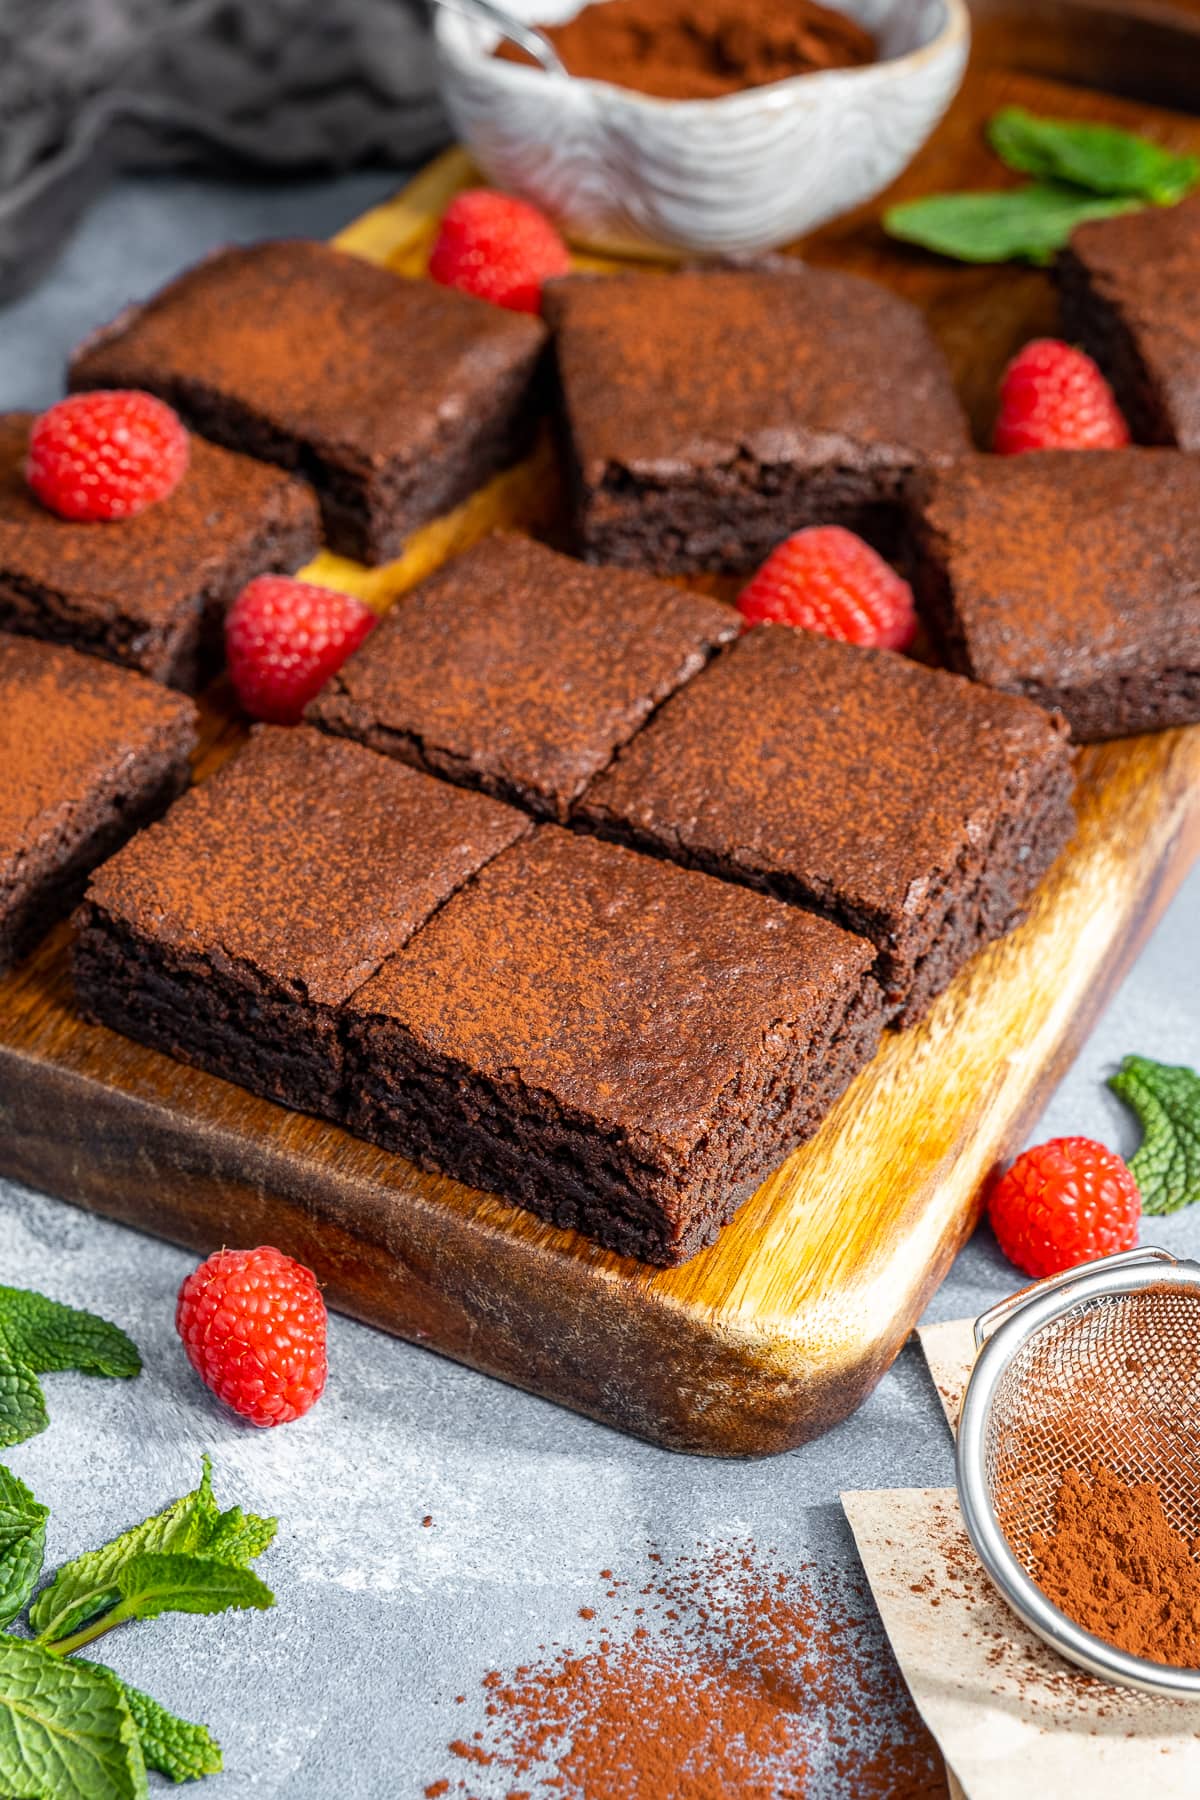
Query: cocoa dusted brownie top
{"points": [[664, 371], [310, 859], [136, 590], [1129, 289], [1071, 577], [521, 671]]}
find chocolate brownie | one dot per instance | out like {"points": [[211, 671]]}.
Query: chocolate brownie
{"points": [[1071, 577], [710, 413], [89, 753], [521, 672], [395, 398], [903, 802], [229, 934], [151, 591], [624, 1047], [1128, 290]]}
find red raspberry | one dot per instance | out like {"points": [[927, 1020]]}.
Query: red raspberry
{"points": [[284, 639], [497, 248], [826, 579], [1053, 397], [1064, 1202], [253, 1325], [106, 455]]}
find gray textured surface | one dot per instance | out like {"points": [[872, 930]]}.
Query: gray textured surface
{"points": [[349, 1684]]}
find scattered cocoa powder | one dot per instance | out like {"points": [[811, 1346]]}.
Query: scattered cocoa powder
{"points": [[729, 1679], [700, 49], [1115, 1565]]}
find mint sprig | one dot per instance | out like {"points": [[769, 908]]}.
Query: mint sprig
{"points": [[1166, 1100], [41, 1337], [1102, 158], [71, 1729]]}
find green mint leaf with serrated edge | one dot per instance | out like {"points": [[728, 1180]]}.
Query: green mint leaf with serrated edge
{"points": [[22, 1544], [175, 1747], [91, 1583], [66, 1729], [239, 1537], [50, 1337], [160, 1582], [1099, 157], [22, 1403], [1026, 224], [1166, 1100]]}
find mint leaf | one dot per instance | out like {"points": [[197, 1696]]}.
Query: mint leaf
{"points": [[91, 1583], [1027, 224], [66, 1730], [159, 1583], [1099, 157], [51, 1337], [173, 1746], [239, 1537], [1167, 1101], [22, 1405], [22, 1544]]}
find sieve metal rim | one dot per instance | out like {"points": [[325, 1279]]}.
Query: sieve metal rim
{"points": [[999, 1334]]}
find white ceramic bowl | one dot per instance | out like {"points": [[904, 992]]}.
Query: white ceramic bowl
{"points": [[623, 172]]}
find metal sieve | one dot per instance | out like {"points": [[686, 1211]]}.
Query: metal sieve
{"points": [[1101, 1364]]}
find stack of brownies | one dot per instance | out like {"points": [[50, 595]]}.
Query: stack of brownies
{"points": [[566, 886]]}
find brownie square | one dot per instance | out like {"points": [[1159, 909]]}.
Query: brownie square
{"points": [[624, 1047], [150, 592], [520, 671], [395, 398], [89, 754], [710, 413], [230, 934], [902, 801], [1128, 290], [1071, 577]]}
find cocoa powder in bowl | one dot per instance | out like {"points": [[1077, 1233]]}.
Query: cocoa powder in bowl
{"points": [[702, 49]]}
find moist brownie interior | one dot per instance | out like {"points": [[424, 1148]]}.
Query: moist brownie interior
{"points": [[1128, 289], [396, 398], [707, 414], [902, 801], [622, 1046], [521, 672], [1070, 577], [151, 591], [229, 934], [89, 753]]}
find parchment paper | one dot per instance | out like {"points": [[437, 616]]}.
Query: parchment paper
{"points": [[1011, 1717]]}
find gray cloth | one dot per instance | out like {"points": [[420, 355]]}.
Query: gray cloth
{"points": [[91, 86]]}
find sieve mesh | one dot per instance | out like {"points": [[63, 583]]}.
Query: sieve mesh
{"points": [[1116, 1380]]}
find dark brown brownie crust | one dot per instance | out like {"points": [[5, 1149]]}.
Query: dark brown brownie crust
{"points": [[150, 592], [520, 671], [230, 934], [1071, 579], [1128, 290], [624, 1047], [395, 398], [901, 801], [88, 753], [710, 413]]}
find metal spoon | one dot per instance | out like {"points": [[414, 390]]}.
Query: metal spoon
{"points": [[527, 37]]}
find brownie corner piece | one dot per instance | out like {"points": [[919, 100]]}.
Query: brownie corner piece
{"points": [[624, 1047], [708, 413], [395, 397], [1069, 577], [520, 671], [914, 807], [1127, 288], [90, 753], [230, 934]]}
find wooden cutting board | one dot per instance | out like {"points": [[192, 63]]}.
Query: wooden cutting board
{"points": [[785, 1324]]}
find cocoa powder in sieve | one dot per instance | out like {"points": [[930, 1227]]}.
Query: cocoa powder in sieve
{"points": [[1115, 1565]]}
